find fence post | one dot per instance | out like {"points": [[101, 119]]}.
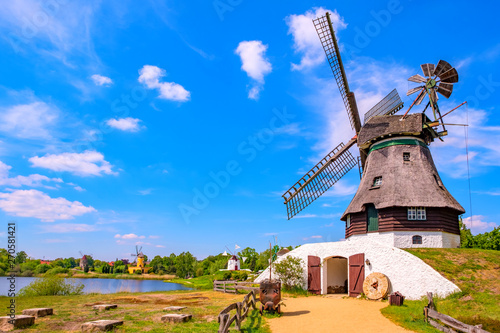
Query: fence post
{"points": [[238, 316], [254, 300]]}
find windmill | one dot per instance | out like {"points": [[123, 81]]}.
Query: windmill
{"points": [[84, 261], [233, 264], [138, 252], [140, 261], [399, 181]]}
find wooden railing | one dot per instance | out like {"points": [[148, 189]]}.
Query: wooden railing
{"points": [[430, 312], [225, 319], [234, 286]]}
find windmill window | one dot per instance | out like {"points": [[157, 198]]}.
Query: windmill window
{"points": [[438, 181], [416, 239], [406, 157], [377, 181], [348, 221], [417, 213]]}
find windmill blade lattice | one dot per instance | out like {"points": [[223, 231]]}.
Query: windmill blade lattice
{"points": [[326, 35], [389, 105], [320, 178]]}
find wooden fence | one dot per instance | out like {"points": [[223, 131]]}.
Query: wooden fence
{"points": [[430, 312], [234, 286], [225, 319]]}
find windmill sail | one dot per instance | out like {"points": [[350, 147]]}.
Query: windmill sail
{"points": [[326, 35], [389, 105], [320, 178]]}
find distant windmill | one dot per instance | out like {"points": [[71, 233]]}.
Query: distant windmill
{"points": [[140, 261], [233, 264], [400, 196], [137, 252], [84, 261]]}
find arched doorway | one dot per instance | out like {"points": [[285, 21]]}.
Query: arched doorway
{"points": [[335, 276]]}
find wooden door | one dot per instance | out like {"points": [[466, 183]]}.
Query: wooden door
{"points": [[356, 274], [372, 217], [314, 274]]}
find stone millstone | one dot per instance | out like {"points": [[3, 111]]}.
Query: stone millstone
{"points": [[101, 325], [39, 312], [7, 323], [176, 318], [104, 307], [376, 286], [174, 308]]}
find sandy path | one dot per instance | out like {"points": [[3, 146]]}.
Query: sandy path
{"points": [[332, 314]]}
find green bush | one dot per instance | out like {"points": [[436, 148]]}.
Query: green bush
{"points": [[49, 286], [290, 271], [56, 270], [138, 272], [235, 275], [27, 273], [199, 272]]}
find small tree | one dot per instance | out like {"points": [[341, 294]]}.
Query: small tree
{"points": [[290, 271]]}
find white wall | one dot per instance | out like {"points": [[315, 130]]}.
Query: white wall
{"points": [[404, 239], [407, 274]]}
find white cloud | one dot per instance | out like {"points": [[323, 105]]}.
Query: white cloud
{"points": [[34, 180], [125, 124], [254, 63], [305, 38], [477, 224], [29, 121], [88, 163], [100, 80], [483, 150], [161, 246], [150, 76], [154, 236], [68, 228], [56, 29], [146, 191], [33, 203], [129, 236], [312, 237]]}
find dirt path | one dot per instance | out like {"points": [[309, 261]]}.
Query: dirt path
{"points": [[332, 314]]}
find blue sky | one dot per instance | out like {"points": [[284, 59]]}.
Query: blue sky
{"points": [[114, 117]]}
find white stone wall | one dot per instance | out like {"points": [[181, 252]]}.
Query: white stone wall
{"points": [[407, 274], [404, 239]]}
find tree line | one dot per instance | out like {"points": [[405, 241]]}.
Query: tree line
{"points": [[184, 265]]}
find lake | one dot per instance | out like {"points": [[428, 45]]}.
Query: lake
{"points": [[102, 286]]}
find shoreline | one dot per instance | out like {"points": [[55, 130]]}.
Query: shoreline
{"points": [[164, 278]]}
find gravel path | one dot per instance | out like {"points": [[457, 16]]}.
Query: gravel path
{"points": [[332, 314]]}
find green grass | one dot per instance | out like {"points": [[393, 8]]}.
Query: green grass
{"points": [[202, 282], [476, 272], [140, 312]]}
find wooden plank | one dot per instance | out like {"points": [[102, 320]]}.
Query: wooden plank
{"points": [[450, 321], [248, 288], [441, 328], [229, 308]]}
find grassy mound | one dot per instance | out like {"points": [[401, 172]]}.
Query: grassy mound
{"points": [[476, 272]]}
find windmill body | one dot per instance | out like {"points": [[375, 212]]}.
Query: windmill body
{"points": [[401, 199], [233, 264]]}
